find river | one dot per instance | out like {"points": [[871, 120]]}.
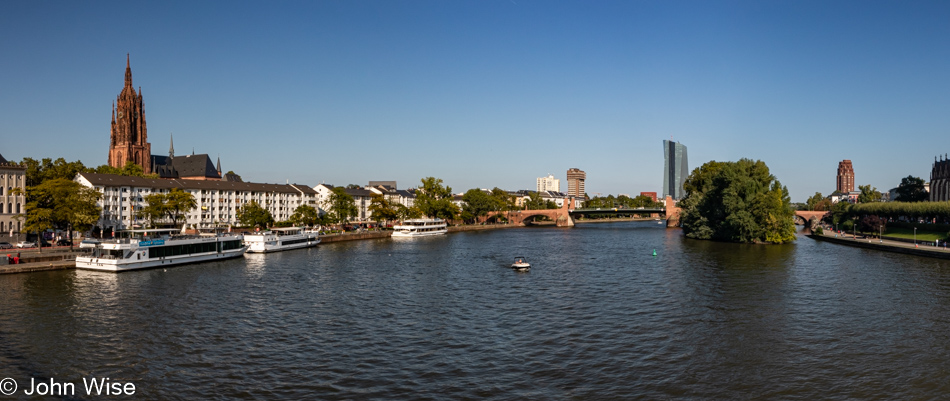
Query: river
{"points": [[597, 317]]}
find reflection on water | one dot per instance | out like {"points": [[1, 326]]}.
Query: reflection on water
{"points": [[598, 316]]}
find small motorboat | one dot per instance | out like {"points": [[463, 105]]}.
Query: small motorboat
{"points": [[521, 263]]}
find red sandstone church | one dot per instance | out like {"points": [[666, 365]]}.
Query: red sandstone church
{"points": [[129, 142]]}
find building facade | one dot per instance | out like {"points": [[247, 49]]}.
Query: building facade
{"points": [[575, 183], [218, 201], [845, 179], [940, 180], [12, 204], [675, 169], [549, 183], [129, 137]]}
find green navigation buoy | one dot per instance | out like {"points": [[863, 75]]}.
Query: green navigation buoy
{"points": [[654, 252]]}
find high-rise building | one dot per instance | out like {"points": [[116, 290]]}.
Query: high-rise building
{"points": [[675, 169], [549, 183], [845, 182], [129, 137], [575, 182]]}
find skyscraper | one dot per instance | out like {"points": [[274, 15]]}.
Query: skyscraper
{"points": [[549, 183], [575, 182], [845, 181], [675, 169]]}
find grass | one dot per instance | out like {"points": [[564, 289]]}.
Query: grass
{"points": [[908, 233]]}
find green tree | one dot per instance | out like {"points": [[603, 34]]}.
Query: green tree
{"points": [[737, 201], [911, 189], [406, 213], [435, 200], [340, 206], [60, 203], [48, 169], [253, 215], [478, 203], [173, 205], [868, 194], [382, 209], [503, 199], [305, 215]]}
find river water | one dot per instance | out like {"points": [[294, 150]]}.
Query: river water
{"points": [[597, 317]]}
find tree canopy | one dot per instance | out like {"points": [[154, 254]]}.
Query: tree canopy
{"points": [[435, 200], [172, 205], [61, 203], [305, 215], [911, 189], [340, 206], [382, 209], [868, 194], [738, 202], [253, 215]]}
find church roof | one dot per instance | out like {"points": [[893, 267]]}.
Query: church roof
{"points": [[184, 166]]}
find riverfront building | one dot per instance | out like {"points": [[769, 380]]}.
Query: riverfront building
{"points": [[549, 183], [575, 183], [940, 180], [675, 169], [845, 179], [218, 201], [12, 176]]}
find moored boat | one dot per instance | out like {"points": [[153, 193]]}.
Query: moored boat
{"points": [[420, 228], [281, 239], [143, 249]]}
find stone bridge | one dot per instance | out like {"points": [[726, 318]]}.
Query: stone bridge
{"points": [[563, 216], [803, 217]]}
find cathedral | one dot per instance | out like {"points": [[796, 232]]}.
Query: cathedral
{"points": [[129, 142]]}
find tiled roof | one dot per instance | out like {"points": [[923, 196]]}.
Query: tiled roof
{"points": [[127, 181]]}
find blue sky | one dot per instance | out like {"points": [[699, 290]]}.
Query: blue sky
{"points": [[489, 93]]}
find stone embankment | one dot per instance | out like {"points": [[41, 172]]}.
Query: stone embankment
{"points": [[887, 245]]}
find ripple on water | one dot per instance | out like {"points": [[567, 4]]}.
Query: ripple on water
{"points": [[597, 317]]}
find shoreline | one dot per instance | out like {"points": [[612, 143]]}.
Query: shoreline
{"points": [[67, 261], [886, 245]]}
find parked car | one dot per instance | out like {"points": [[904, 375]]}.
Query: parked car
{"points": [[88, 243], [24, 244], [5, 245], [64, 242]]}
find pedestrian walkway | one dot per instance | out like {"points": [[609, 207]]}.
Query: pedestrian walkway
{"points": [[926, 249]]}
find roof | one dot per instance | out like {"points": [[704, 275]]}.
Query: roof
{"points": [[185, 166], [128, 181], [359, 192]]}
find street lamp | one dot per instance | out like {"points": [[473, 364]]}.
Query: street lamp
{"points": [[915, 237]]}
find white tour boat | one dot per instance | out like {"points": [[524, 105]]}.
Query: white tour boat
{"points": [[280, 239], [420, 228], [143, 249]]}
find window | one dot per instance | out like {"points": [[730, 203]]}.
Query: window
{"points": [[17, 208]]}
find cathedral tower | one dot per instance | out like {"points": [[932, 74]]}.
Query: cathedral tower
{"points": [[129, 139]]}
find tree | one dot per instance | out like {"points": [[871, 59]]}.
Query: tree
{"points": [[382, 209], [47, 169], [504, 200], [305, 215], [60, 203], [435, 200], [478, 203], [130, 169], [737, 201], [814, 202], [868, 194], [405, 213], [911, 189], [178, 203], [253, 215], [340, 205]]}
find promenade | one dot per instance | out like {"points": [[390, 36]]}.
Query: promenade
{"points": [[925, 249]]}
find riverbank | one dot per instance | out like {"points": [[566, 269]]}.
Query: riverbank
{"points": [[886, 245]]}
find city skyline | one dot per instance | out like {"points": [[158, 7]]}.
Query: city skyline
{"points": [[357, 91]]}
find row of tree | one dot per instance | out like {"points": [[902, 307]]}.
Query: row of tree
{"points": [[911, 189]]}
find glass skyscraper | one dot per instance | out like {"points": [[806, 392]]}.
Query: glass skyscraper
{"points": [[675, 169]]}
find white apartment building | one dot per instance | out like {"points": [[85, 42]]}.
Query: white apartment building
{"points": [[218, 201], [549, 183], [12, 176], [363, 197]]}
